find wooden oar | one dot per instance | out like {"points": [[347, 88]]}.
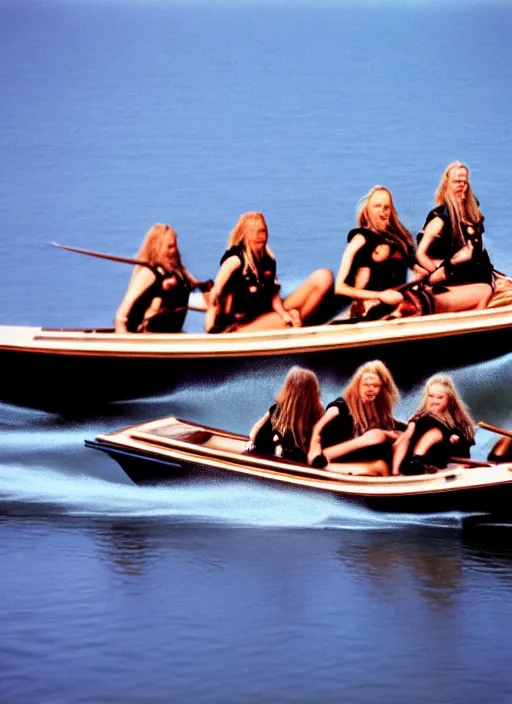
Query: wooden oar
{"points": [[495, 429], [100, 255], [201, 308], [471, 463]]}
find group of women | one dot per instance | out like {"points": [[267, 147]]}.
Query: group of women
{"points": [[450, 261], [358, 433]]}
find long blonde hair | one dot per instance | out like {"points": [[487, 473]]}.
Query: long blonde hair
{"points": [[395, 227], [378, 414], [456, 414], [299, 406], [154, 249], [466, 212], [237, 237]]}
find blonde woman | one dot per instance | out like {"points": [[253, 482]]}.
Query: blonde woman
{"points": [[358, 427], [451, 245], [377, 257], [246, 294], [441, 427], [285, 429], [157, 296]]}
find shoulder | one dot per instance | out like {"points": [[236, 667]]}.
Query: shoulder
{"points": [[362, 234], [338, 404], [145, 276], [236, 251], [399, 425], [440, 211], [426, 421]]}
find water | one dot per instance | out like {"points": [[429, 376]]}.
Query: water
{"points": [[119, 114]]}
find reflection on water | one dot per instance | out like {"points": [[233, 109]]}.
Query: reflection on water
{"points": [[430, 565], [324, 602], [126, 546]]}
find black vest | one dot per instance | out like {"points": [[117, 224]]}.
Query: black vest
{"points": [[389, 273], [479, 268], [173, 309], [251, 294]]}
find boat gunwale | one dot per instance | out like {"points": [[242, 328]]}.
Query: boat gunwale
{"points": [[258, 465], [310, 339]]}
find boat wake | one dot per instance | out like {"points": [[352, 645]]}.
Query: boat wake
{"points": [[39, 491]]}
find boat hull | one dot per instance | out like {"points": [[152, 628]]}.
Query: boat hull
{"points": [[168, 450], [59, 371], [146, 471]]}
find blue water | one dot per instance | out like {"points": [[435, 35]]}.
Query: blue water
{"points": [[115, 115]]}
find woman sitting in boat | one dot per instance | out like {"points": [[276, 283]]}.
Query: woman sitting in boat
{"points": [[157, 296], [377, 257], [451, 245], [441, 428], [285, 429], [246, 294], [358, 427]]}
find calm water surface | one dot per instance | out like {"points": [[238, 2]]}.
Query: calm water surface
{"points": [[119, 114]]}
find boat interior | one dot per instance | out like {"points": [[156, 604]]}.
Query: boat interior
{"points": [[189, 442]]}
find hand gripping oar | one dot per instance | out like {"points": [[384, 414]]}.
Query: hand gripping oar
{"points": [[203, 286], [378, 311]]}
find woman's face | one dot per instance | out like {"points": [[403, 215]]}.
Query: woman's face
{"points": [[458, 183], [256, 235], [172, 247], [378, 210], [437, 398], [370, 387]]}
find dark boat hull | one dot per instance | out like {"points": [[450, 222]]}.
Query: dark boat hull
{"points": [[146, 468], [59, 382]]}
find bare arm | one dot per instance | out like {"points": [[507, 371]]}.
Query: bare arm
{"points": [[278, 307], [389, 296], [143, 279], [194, 283], [214, 304], [249, 445], [431, 231], [257, 426], [400, 448], [315, 445]]}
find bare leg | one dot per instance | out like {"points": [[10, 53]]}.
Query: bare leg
{"points": [[400, 448], [267, 321], [308, 296], [214, 310], [377, 468], [465, 297], [210, 317], [421, 447], [304, 300], [427, 440]]}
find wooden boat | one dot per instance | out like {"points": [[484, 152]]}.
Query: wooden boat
{"points": [[50, 368], [167, 449]]}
